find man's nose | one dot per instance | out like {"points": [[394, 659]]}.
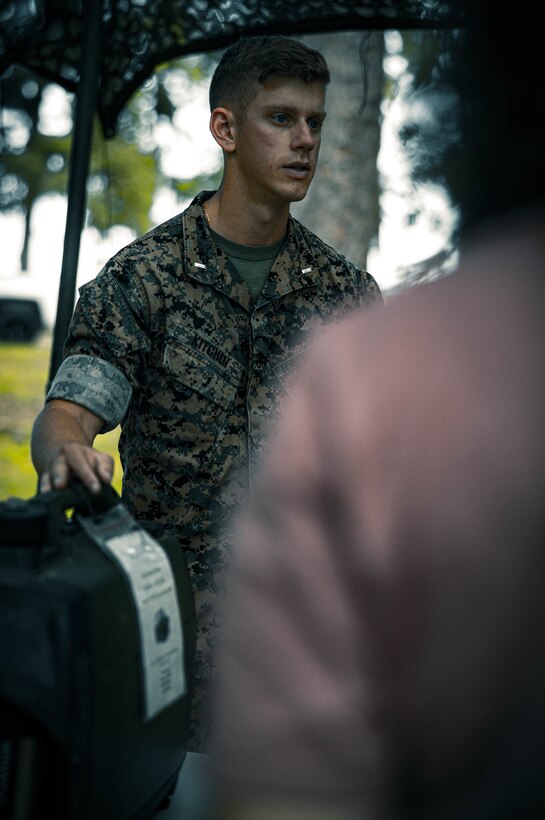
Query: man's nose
{"points": [[304, 136]]}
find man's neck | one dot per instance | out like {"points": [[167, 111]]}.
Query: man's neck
{"points": [[246, 222]]}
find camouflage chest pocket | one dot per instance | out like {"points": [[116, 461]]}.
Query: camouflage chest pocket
{"points": [[203, 384], [287, 370]]}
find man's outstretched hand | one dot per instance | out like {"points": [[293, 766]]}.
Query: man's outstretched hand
{"points": [[62, 447], [92, 467]]}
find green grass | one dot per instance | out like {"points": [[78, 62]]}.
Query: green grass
{"points": [[24, 370]]}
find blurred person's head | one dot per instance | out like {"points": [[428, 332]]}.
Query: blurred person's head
{"points": [[404, 487]]}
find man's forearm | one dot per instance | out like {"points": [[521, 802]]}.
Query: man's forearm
{"points": [[53, 428], [62, 446]]}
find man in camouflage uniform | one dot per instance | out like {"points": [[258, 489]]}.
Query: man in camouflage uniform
{"points": [[189, 335]]}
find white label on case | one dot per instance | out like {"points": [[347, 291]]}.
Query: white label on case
{"points": [[147, 569]]}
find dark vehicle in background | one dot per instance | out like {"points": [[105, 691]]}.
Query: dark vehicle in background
{"points": [[27, 308], [21, 319]]}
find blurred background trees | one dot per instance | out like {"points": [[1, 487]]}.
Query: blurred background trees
{"points": [[342, 205], [126, 171]]}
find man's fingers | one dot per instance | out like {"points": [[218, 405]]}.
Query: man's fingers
{"points": [[87, 465], [83, 462], [105, 467], [102, 465], [45, 483], [59, 473]]}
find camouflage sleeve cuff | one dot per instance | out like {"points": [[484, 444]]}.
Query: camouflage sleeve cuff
{"points": [[94, 384]]}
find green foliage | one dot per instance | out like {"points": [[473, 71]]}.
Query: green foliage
{"points": [[35, 164], [125, 170], [23, 376], [431, 131], [190, 187], [42, 168], [425, 52], [121, 184]]}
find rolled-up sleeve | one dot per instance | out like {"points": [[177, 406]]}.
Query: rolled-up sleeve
{"points": [[106, 345], [94, 384]]}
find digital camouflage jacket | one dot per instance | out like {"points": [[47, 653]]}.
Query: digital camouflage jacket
{"points": [[168, 342]]}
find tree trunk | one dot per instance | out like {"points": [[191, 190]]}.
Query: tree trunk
{"points": [[342, 205], [26, 236]]}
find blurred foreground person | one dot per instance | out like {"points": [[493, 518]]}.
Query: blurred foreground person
{"points": [[383, 649]]}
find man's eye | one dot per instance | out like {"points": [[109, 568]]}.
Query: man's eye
{"points": [[315, 124], [280, 118]]}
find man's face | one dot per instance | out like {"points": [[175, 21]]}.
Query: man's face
{"points": [[278, 140]]}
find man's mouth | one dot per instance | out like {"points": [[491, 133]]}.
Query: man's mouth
{"points": [[298, 169]]}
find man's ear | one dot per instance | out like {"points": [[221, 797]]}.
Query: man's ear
{"points": [[223, 128]]}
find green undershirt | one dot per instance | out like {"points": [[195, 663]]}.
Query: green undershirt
{"points": [[252, 263]]}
